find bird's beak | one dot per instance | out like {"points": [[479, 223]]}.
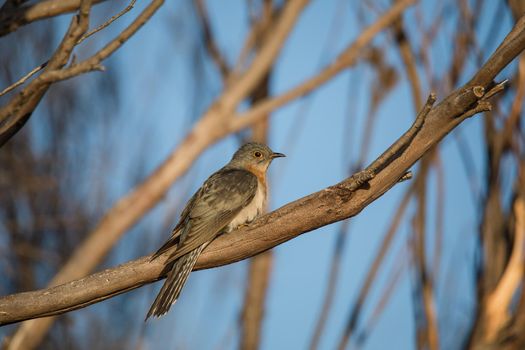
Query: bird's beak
{"points": [[277, 155]]}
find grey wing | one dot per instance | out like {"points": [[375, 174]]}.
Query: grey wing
{"points": [[221, 198], [173, 241]]}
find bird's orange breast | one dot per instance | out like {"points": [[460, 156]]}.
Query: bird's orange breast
{"points": [[256, 205]]}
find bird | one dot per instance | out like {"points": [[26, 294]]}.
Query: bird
{"points": [[231, 197]]}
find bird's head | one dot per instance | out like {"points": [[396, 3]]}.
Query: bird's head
{"points": [[254, 156]]}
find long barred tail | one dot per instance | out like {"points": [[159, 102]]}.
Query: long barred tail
{"points": [[170, 291]]}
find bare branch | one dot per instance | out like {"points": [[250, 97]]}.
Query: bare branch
{"points": [[407, 137], [254, 300], [498, 302], [14, 115], [93, 63], [13, 18], [318, 209], [108, 22], [82, 38], [346, 59], [23, 79], [409, 63]]}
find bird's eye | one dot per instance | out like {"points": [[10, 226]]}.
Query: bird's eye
{"points": [[257, 154]]}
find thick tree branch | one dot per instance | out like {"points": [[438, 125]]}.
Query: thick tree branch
{"points": [[332, 204], [321, 208]]}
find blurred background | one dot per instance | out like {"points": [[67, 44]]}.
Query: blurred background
{"points": [[413, 270]]}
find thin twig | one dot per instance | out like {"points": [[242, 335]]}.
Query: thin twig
{"points": [[384, 159], [24, 78], [407, 137], [108, 22]]}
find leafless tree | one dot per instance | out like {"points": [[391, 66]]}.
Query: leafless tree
{"points": [[55, 161]]}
